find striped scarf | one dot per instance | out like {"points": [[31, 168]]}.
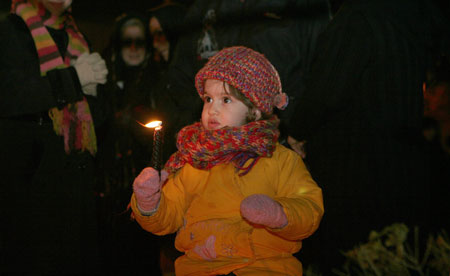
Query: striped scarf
{"points": [[204, 149], [73, 121]]}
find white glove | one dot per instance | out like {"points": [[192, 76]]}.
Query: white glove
{"points": [[90, 89], [91, 68]]}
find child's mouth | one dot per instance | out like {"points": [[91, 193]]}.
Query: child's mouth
{"points": [[213, 124]]}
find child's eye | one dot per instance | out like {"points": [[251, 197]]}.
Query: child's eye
{"points": [[207, 99], [226, 100]]}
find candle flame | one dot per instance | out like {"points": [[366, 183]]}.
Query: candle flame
{"points": [[154, 124]]}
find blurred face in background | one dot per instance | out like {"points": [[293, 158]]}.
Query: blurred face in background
{"points": [[56, 7], [133, 42], [160, 42]]}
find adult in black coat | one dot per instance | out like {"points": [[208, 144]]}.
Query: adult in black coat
{"points": [[361, 118], [47, 211], [124, 144], [125, 147], [165, 24]]}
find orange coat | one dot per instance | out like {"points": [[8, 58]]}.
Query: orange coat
{"points": [[203, 203]]}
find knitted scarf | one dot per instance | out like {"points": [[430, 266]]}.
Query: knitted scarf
{"points": [[73, 121], [204, 149]]}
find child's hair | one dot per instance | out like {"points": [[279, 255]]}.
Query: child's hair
{"points": [[251, 115], [247, 71]]}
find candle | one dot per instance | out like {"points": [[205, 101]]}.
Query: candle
{"points": [[157, 144]]}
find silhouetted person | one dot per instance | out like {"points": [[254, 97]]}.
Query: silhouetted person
{"points": [[361, 118], [125, 147], [47, 142]]}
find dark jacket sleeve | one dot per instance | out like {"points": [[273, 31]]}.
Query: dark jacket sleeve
{"points": [[22, 88]]}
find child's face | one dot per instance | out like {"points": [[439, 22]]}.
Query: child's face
{"points": [[220, 108]]}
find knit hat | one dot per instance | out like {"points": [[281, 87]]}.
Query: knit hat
{"points": [[248, 71]]}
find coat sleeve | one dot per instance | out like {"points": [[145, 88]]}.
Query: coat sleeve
{"points": [[22, 88], [299, 195], [169, 216]]}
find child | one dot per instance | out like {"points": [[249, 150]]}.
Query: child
{"points": [[241, 202]]}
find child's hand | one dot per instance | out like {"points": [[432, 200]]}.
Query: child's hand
{"points": [[147, 187], [263, 210]]}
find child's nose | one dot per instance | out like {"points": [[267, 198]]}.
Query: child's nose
{"points": [[214, 108]]}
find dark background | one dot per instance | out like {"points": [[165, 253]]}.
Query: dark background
{"points": [[96, 18]]}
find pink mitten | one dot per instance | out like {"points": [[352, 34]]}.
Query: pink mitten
{"points": [[263, 210], [147, 187]]}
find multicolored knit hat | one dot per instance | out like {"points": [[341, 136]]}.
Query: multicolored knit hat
{"points": [[248, 71]]}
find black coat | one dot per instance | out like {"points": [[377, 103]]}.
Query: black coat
{"points": [[361, 115], [48, 218]]}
